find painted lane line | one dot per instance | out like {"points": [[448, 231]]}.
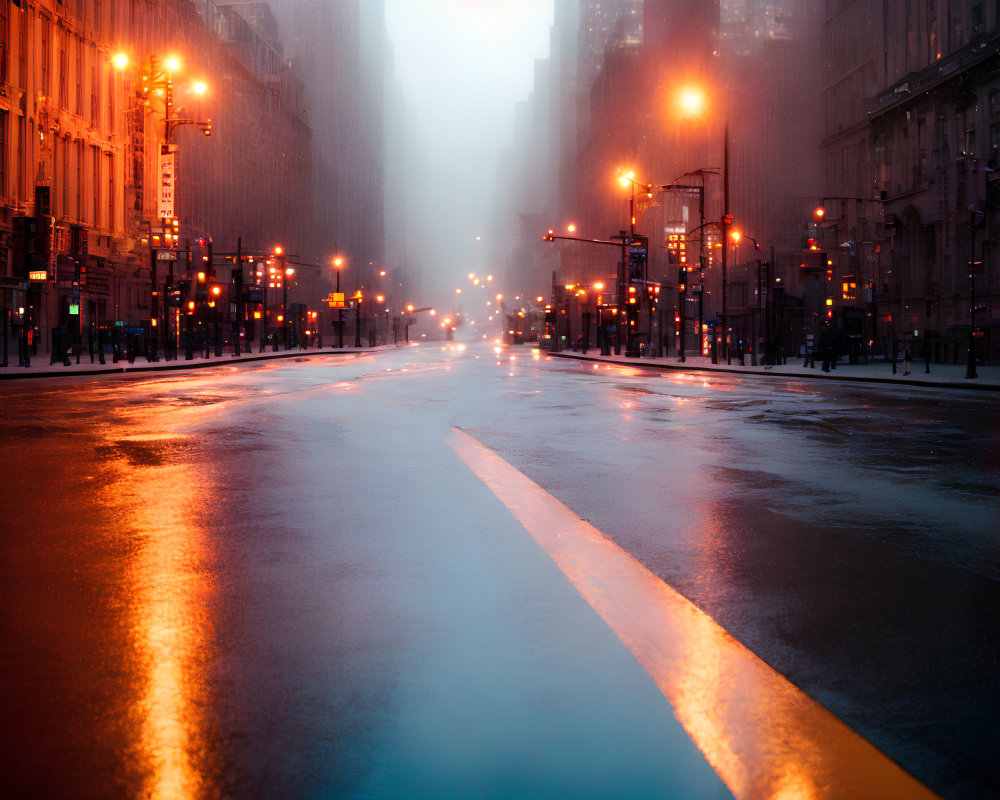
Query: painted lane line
{"points": [[763, 736]]}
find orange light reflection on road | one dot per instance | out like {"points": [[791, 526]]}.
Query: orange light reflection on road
{"points": [[169, 592]]}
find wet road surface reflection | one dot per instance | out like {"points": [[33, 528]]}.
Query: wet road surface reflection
{"points": [[279, 581]]}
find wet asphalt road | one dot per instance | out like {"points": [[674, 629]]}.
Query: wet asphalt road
{"points": [[217, 583]]}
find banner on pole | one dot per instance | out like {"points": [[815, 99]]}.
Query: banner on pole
{"points": [[167, 177]]}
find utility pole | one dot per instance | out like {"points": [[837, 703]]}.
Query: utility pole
{"points": [[970, 369], [236, 281], [726, 219]]}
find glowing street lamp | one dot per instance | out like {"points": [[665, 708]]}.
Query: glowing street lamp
{"points": [[692, 102], [338, 263]]}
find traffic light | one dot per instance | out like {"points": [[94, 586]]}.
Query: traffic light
{"points": [[176, 293], [819, 213], [727, 219]]}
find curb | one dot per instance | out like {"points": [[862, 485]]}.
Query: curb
{"points": [[982, 387], [167, 366]]}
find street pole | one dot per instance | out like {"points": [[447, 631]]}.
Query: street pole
{"points": [[168, 345], [151, 354], [757, 320], [701, 265], [767, 306], [970, 369], [263, 314], [238, 288], [284, 308], [725, 240], [340, 319]]}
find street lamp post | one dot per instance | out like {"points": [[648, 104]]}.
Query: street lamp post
{"points": [[760, 290], [684, 280], [285, 278], [159, 80], [357, 321], [726, 220], [970, 367], [338, 262]]}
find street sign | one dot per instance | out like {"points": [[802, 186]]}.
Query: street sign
{"points": [[336, 300], [253, 294], [166, 255]]}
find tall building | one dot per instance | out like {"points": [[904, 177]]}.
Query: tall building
{"points": [[341, 49], [911, 100], [99, 155]]}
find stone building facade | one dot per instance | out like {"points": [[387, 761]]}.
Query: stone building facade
{"points": [[911, 106], [82, 187]]}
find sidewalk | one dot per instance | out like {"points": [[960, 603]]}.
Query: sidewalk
{"points": [[41, 368], [950, 376]]}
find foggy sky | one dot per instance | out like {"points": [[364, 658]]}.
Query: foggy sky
{"points": [[462, 66]]}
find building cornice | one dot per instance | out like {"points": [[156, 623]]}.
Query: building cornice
{"points": [[914, 84]]}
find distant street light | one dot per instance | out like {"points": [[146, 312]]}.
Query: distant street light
{"points": [[691, 102], [338, 262]]}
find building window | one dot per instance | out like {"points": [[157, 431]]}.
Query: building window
{"points": [[62, 99], [111, 100], [65, 176], [78, 76], [22, 166], [4, 33], [109, 165], [22, 24], [45, 56], [4, 122], [79, 180], [94, 97], [978, 19], [95, 185]]}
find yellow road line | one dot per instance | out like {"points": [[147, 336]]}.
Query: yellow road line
{"points": [[763, 736]]}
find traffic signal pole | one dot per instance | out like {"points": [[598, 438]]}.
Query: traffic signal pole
{"points": [[236, 281], [726, 219], [622, 241]]}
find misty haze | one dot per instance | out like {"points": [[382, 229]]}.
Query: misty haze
{"points": [[499, 398]]}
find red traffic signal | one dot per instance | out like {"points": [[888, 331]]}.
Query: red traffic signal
{"points": [[727, 219]]}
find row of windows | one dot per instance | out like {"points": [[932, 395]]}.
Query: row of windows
{"points": [[84, 184], [83, 180], [74, 75]]}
